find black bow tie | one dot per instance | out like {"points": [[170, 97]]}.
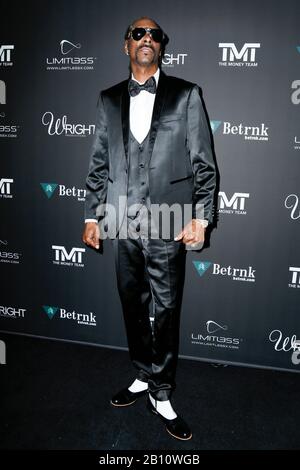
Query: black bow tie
{"points": [[134, 87]]}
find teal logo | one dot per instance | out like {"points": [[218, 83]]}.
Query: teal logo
{"points": [[215, 125], [202, 266], [298, 49], [50, 311], [49, 188]]}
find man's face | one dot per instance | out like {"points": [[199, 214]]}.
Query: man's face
{"points": [[144, 52]]}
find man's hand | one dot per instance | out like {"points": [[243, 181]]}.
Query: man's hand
{"points": [[91, 235], [193, 233]]}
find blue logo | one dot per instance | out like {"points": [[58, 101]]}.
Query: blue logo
{"points": [[50, 311], [49, 188], [202, 266], [215, 125]]}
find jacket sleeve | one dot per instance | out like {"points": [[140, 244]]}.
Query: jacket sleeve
{"points": [[201, 156], [96, 181]]}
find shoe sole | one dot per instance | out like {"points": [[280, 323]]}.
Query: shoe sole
{"points": [[127, 404], [176, 437], [180, 438]]}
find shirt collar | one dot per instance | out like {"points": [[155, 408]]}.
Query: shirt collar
{"points": [[156, 76]]}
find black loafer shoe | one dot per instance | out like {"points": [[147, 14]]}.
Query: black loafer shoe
{"points": [[177, 427], [125, 397]]}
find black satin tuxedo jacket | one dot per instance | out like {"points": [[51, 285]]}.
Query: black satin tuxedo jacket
{"points": [[181, 164]]}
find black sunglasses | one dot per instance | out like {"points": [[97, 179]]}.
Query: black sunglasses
{"points": [[138, 33]]}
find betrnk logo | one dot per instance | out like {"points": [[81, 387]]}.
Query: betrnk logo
{"points": [[49, 190], [235, 203], [81, 318], [249, 132], [5, 187], [5, 53], [295, 283], [231, 56], [62, 256], [236, 274], [2, 92]]}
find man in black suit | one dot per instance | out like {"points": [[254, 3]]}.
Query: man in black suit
{"points": [[151, 148]]}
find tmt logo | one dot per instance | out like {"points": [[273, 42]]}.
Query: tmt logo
{"points": [[62, 257], [232, 57], [5, 55], [5, 190], [295, 284], [234, 205]]}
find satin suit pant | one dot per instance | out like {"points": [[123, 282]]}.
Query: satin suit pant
{"points": [[152, 269]]}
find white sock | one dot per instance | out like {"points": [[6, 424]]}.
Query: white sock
{"points": [[164, 408], [138, 386]]}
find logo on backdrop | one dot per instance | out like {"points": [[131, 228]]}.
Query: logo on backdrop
{"points": [[61, 126], [2, 352], [295, 96], [88, 319], [50, 188], [219, 340], [232, 57], [70, 62], [296, 143], [215, 125], [233, 205], [171, 60], [64, 258], [257, 133], [8, 130], [292, 203], [295, 279], [5, 188], [2, 92], [8, 256], [284, 344], [236, 274], [12, 312], [5, 55]]}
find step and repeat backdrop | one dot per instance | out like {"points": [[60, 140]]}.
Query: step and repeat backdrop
{"points": [[242, 292]]}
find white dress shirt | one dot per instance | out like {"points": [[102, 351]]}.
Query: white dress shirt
{"points": [[141, 109], [140, 116]]}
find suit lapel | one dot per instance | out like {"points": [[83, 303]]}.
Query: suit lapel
{"points": [[125, 101], [158, 103]]}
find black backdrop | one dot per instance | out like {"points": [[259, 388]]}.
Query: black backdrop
{"points": [[241, 302]]}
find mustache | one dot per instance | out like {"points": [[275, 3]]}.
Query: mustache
{"points": [[150, 47]]}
